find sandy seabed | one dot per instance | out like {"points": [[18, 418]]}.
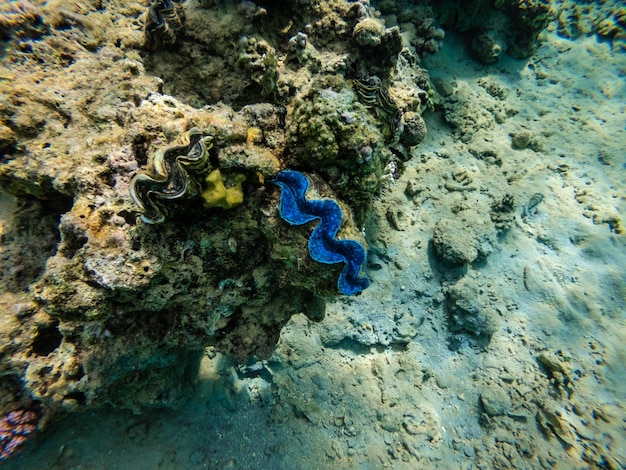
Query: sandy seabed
{"points": [[387, 380]]}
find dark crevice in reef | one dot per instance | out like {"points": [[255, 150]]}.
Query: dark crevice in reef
{"points": [[72, 240], [79, 397], [29, 239], [47, 339], [141, 149]]}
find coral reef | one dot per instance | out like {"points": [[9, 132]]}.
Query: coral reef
{"points": [[490, 333], [324, 247], [120, 136]]}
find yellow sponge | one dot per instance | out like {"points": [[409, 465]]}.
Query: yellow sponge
{"points": [[216, 194]]}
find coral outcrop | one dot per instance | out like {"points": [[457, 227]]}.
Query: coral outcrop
{"points": [[118, 143]]}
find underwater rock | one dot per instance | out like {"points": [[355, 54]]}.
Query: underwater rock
{"points": [[368, 32], [495, 400], [470, 311], [414, 129], [521, 140], [486, 48], [464, 239], [451, 244]]}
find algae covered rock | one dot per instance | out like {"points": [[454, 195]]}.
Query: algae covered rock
{"points": [[464, 239], [471, 311], [368, 32], [495, 400], [330, 131]]}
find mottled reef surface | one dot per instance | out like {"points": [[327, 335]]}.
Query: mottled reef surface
{"points": [[476, 151]]}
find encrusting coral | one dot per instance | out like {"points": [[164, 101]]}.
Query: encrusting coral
{"points": [[216, 194], [15, 428]]}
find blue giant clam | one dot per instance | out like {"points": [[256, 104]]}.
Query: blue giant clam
{"points": [[324, 247]]}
